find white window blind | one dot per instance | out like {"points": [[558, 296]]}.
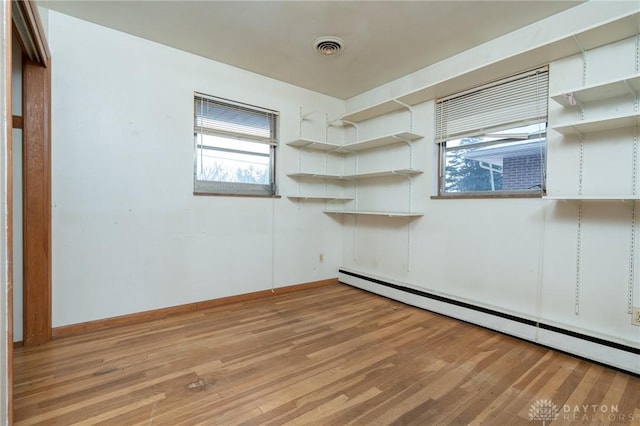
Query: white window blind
{"points": [[230, 119], [235, 146], [516, 101]]}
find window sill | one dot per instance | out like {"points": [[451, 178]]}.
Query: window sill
{"points": [[226, 194], [463, 196]]}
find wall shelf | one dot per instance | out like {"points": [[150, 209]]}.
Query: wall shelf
{"points": [[355, 176], [625, 86], [374, 111], [377, 142], [313, 144], [381, 141], [353, 149], [315, 176], [598, 125], [369, 213], [592, 197], [319, 197], [591, 101], [384, 173]]}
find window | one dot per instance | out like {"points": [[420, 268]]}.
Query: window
{"points": [[235, 146], [493, 138]]}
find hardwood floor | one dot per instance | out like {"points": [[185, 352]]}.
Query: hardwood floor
{"points": [[332, 355]]}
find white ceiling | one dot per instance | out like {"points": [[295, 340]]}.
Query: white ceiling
{"points": [[384, 40]]}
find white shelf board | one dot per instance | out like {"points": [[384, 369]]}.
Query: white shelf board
{"points": [[319, 197], [401, 172], [373, 111], [597, 125], [315, 176], [625, 86], [381, 141], [353, 176], [368, 213], [592, 197], [313, 144]]}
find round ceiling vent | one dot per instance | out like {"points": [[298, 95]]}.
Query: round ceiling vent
{"points": [[328, 46]]}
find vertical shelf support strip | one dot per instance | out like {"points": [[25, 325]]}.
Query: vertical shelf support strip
{"points": [[632, 243], [578, 260], [409, 244], [409, 222], [632, 259], [632, 248], [579, 231], [581, 164], [355, 237], [638, 50], [302, 118]]}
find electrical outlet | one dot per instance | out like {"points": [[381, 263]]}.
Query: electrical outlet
{"points": [[635, 316]]}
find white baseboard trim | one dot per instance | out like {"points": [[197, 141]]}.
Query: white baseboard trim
{"points": [[613, 354]]}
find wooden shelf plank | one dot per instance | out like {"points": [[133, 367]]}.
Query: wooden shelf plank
{"points": [[597, 125], [370, 213]]}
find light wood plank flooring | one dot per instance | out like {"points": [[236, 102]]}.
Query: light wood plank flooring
{"points": [[330, 356]]}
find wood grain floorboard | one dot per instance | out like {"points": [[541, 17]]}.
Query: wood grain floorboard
{"points": [[332, 355]]}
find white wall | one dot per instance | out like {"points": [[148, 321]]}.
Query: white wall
{"points": [[128, 234], [605, 226], [512, 255]]}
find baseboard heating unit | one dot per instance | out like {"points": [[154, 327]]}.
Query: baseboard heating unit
{"points": [[621, 356]]}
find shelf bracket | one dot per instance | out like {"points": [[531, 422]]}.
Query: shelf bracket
{"points": [[635, 95], [410, 145], [408, 108], [584, 59], [581, 107], [352, 124], [303, 117]]}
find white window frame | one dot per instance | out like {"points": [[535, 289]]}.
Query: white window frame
{"points": [[234, 121], [483, 112]]}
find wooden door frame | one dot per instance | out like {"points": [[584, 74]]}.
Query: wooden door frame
{"points": [[36, 126], [36, 202], [7, 260], [36, 164]]}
